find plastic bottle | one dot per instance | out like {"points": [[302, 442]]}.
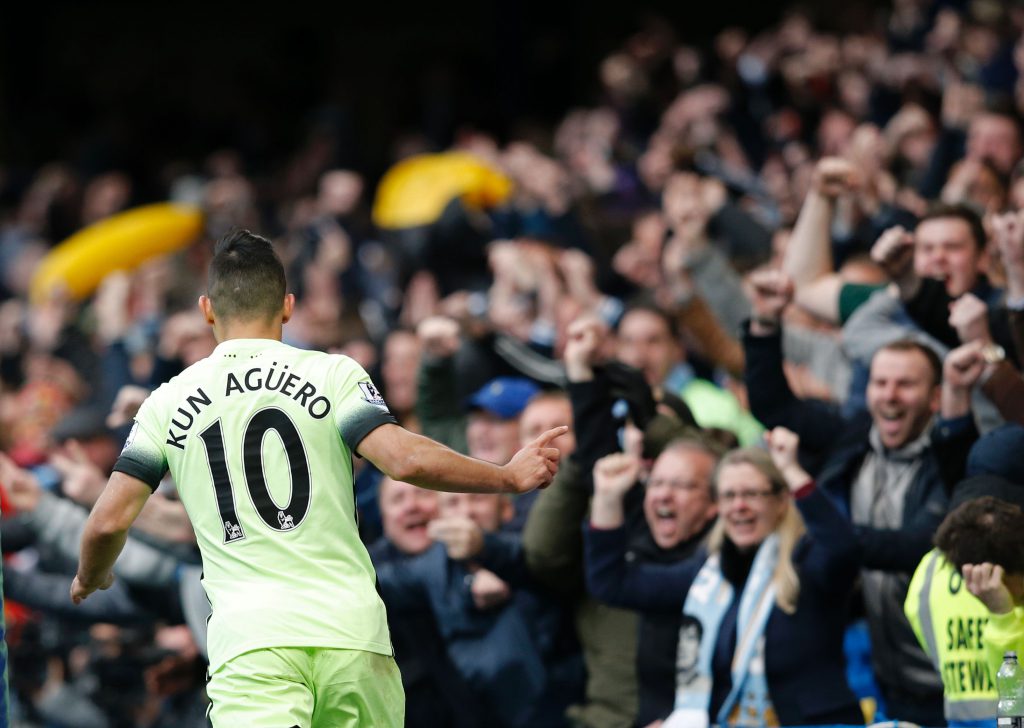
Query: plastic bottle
{"points": [[1010, 684]]}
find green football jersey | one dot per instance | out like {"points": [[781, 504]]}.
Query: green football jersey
{"points": [[259, 439]]}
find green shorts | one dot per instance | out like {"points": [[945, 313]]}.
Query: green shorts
{"points": [[309, 687]]}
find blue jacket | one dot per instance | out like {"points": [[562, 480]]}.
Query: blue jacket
{"points": [[804, 662]]}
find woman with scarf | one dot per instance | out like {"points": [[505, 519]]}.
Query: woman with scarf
{"points": [[764, 602]]}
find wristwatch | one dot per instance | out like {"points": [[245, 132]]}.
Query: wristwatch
{"points": [[993, 353]]}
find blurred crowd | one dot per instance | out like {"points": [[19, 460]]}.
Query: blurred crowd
{"points": [[775, 283]]}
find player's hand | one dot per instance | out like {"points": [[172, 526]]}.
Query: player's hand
{"points": [[461, 536], [985, 581], [535, 465], [80, 591]]}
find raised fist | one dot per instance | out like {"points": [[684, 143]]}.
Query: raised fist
{"points": [[439, 336], [894, 251], [833, 176], [616, 473], [770, 291]]}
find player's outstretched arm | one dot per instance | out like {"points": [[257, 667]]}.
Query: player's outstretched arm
{"points": [[106, 531], [412, 458]]}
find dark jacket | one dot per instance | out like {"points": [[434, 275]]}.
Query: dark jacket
{"points": [[502, 652], [657, 632], [435, 694], [804, 663]]}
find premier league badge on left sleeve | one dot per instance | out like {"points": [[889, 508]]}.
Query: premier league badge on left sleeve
{"points": [[372, 395]]}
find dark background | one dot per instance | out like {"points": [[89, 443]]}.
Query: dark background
{"points": [[134, 86]]}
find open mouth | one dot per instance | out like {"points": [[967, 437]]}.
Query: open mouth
{"points": [[944, 278], [890, 422], [743, 525], [665, 522], [416, 526]]}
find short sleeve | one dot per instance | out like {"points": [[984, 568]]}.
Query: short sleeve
{"points": [[359, 404], [143, 455]]}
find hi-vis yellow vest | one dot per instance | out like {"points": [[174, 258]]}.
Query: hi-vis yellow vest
{"points": [[950, 624]]}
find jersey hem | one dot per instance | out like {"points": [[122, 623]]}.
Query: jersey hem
{"points": [[375, 647]]}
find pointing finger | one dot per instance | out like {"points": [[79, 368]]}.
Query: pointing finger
{"points": [[543, 439]]}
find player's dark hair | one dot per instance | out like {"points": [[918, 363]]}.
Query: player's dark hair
{"points": [[246, 279]]}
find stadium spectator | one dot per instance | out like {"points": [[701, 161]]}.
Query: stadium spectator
{"points": [[780, 560]]}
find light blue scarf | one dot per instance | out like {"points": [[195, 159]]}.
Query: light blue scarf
{"points": [[707, 602]]}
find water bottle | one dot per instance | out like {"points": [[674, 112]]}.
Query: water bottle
{"points": [[1010, 684]]}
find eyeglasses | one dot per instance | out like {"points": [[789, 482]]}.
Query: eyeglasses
{"points": [[750, 496], [674, 484]]}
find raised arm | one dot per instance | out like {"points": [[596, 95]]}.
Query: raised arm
{"points": [[772, 400], [678, 296], [552, 540], [808, 259], [833, 560], [687, 212], [437, 402], [593, 421], [614, 476]]}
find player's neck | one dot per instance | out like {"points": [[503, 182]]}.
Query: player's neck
{"points": [[248, 330]]}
